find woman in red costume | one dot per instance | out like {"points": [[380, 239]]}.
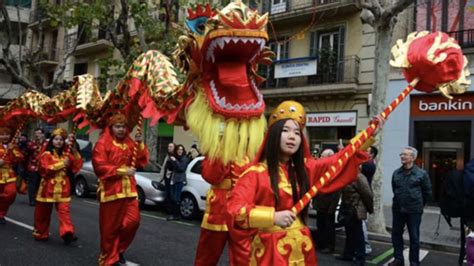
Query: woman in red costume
{"points": [[55, 188], [267, 190], [9, 156], [119, 215]]}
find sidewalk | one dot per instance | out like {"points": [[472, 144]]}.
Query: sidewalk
{"points": [[448, 238]]}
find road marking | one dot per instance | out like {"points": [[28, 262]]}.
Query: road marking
{"points": [[91, 202], [381, 257], [147, 215], [423, 253], [129, 263], [19, 223]]}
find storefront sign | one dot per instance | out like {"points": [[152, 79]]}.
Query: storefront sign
{"points": [[436, 105], [331, 119], [295, 68]]}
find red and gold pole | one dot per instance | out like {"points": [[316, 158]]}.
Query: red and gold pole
{"points": [[366, 134], [135, 148]]}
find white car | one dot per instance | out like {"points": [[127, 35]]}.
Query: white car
{"points": [[193, 197]]}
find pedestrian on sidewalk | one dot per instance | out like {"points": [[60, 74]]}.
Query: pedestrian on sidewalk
{"points": [[368, 170], [119, 215], [55, 188], [179, 162], [357, 200], [10, 155], [411, 190], [166, 174], [325, 206]]}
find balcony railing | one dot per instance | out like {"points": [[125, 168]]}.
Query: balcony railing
{"points": [[49, 54], [342, 71], [298, 6], [465, 38]]}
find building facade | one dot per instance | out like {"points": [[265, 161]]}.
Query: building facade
{"points": [[19, 15], [325, 60]]}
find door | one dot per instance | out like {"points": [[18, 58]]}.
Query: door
{"points": [[438, 159]]}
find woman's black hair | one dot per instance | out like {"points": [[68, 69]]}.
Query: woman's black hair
{"points": [[176, 148], [51, 148], [296, 168]]}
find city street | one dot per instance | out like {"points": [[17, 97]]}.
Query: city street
{"points": [[158, 242]]}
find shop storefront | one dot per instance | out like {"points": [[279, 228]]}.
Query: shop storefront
{"points": [[326, 130], [441, 131], [439, 128]]}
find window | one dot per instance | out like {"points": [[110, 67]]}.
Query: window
{"points": [[328, 46], [197, 167], [282, 52], [80, 69]]}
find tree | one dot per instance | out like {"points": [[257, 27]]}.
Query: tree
{"points": [[133, 27], [382, 16]]}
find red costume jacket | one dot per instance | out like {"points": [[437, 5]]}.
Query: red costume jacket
{"points": [[55, 185], [110, 159], [10, 158], [252, 206], [222, 180], [34, 152]]}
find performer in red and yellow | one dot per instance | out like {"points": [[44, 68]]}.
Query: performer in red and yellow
{"points": [[216, 226], [119, 215], [9, 156], [56, 162], [268, 189]]}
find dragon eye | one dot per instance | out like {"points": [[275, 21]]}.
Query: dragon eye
{"points": [[197, 25]]}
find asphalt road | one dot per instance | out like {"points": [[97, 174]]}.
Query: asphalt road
{"points": [[158, 242]]}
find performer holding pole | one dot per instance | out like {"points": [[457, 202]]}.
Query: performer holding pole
{"points": [[55, 187], [119, 214], [9, 156], [284, 170]]}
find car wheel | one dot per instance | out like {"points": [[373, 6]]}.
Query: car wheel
{"points": [[188, 207], [141, 197], [81, 189]]}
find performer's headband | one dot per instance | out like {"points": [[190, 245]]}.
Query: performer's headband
{"points": [[5, 131], [117, 119], [288, 109], [59, 132]]}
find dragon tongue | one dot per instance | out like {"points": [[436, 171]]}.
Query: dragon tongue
{"points": [[232, 74]]}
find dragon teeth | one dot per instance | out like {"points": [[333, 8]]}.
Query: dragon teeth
{"points": [[221, 101]]}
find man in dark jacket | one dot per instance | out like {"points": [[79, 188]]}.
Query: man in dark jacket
{"points": [[411, 190]]}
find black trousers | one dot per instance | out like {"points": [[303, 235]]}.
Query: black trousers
{"points": [[326, 234], [33, 185], [355, 242]]}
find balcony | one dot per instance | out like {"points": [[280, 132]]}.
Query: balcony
{"points": [[337, 77], [98, 42], [465, 38], [301, 8], [49, 57]]}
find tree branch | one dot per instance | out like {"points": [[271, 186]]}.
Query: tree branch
{"points": [[8, 61], [62, 66], [393, 10]]}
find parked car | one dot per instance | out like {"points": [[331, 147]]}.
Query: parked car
{"points": [[148, 188], [193, 198]]}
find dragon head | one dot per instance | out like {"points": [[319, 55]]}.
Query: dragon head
{"points": [[220, 56], [224, 48]]}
